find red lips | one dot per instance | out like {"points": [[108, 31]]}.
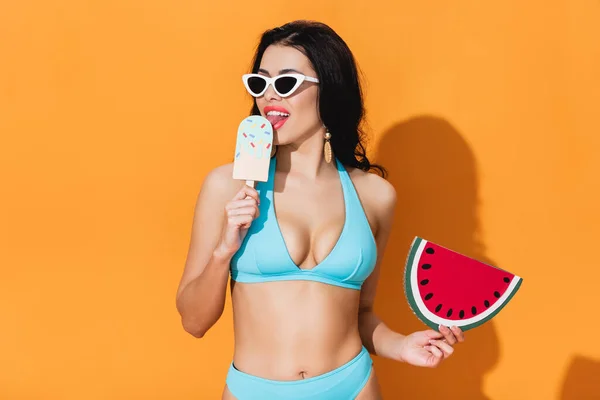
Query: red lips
{"points": [[276, 120]]}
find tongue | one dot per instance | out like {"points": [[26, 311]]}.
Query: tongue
{"points": [[274, 119]]}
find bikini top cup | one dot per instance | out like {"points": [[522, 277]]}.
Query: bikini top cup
{"points": [[263, 255]]}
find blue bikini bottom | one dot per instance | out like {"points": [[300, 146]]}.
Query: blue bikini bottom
{"points": [[342, 383]]}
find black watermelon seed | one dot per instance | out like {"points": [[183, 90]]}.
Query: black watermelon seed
{"points": [[507, 280], [429, 250], [438, 308], [461, 314], [424, 281], [473, 310], [497, 295], [429, 296], [449, 313], [426, 266], [486, 303]]}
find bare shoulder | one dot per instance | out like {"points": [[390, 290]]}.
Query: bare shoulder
{"points": [[219, 183], [377, 195], [373, 187]]}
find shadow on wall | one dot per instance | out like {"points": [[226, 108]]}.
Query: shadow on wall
{"points": [[582, 381], [434, 173]]}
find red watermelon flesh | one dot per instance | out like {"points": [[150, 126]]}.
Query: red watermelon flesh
{"points": [[448, 288]]}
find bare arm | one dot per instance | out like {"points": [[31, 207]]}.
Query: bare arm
{"points": [[424, 348], [218, 229], [375, 335]]}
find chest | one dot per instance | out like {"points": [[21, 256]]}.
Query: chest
{"points": [[310, 221], [308, 232]]}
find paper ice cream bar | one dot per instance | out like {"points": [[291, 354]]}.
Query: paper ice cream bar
{"points": [[253, 150]]}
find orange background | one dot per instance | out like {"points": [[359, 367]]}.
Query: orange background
{"points": [[112, 113]]}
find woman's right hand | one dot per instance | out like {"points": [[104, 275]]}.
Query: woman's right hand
{"points": [[240, 212]]}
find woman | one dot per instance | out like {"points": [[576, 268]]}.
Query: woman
{"points": [[304, 248]]}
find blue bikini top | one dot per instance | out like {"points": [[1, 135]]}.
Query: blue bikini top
{"points": [[263, 255]]}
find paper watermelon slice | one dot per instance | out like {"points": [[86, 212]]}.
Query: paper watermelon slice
{"points": [[445, 287]]}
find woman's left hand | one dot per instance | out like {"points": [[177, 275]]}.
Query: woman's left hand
{"points": [[428, 348]]}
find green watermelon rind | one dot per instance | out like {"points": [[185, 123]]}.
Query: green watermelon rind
{"points": [[408, 290]]}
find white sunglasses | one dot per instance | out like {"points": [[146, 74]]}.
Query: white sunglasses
{"points": [[285, 85]]}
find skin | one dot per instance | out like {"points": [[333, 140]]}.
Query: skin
{"points": [[296, 330]]}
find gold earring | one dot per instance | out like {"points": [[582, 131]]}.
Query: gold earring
{"points": [[327, 147]]}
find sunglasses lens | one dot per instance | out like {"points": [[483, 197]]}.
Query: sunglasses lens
{"points": [[285, 84], [256, 84]]}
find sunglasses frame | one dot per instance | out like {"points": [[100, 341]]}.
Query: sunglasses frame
{"points": [[300, 78]]}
